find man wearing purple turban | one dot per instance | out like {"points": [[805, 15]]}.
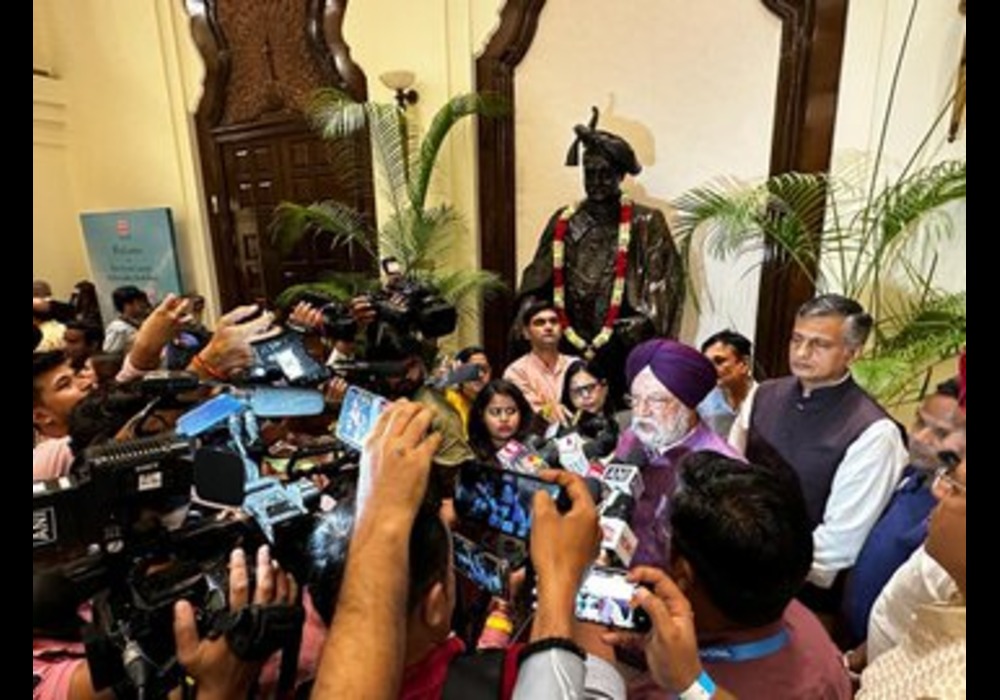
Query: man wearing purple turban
{"points": [[667, 380]]}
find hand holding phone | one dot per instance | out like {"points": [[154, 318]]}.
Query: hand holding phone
{"points": [[605, 599], [499, 499], [358, 414], [486, 570]]}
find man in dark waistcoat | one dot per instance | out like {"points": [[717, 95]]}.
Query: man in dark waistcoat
{"points": [[607, 239], [847, 451]]}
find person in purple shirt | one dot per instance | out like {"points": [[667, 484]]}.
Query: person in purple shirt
{"points": [[667, 380]]}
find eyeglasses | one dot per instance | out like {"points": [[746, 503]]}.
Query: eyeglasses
{"points": [[945, 484], [583, 389], [498, 411], [655, 402]]}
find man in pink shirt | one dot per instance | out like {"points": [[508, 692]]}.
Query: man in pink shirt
{"points": [[539, 374]]}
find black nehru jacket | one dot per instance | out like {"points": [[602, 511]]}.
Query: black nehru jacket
{"points": [[811, 433]]}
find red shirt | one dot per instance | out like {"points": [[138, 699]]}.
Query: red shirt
{"points": [[424, 680]]}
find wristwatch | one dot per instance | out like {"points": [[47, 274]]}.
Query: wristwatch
{"points": [[703, 688]]}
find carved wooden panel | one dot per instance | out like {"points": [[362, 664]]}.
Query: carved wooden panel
{"points": [[263, 59]]}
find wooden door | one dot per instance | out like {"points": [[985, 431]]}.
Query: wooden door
{"points": [[263, 61]]}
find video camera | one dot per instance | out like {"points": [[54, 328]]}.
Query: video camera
{"points": [[413, 306], [113, 528], [55, 310]]}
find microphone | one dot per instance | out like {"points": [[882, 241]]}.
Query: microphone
{"points": [[285, 402], [383, 368], [617, 537], [518, 457], [626, 478], [545, 448]]}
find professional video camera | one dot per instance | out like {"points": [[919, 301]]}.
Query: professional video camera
{"points": [[113, 528], [413, 306], [338, 323]]}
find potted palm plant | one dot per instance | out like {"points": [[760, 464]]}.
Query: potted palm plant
{"points": [[415, 233], [863, 232]]}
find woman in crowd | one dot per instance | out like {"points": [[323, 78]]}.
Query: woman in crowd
{"points": [[585, 394], [499, 414], [461, 397]]}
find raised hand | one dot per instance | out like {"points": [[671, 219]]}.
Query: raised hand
{"points": [[229, 348], [672, 645], [396, 461], [218, 672]]}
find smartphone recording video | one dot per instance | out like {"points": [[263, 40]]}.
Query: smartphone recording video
{"points": [[500, 499], [284, 357], [486, 570], [358, 415], [604, 599]]}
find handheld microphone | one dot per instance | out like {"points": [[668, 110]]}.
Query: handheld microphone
{"points": [[617, 537], [517, 457], [626, 478], [382, 368]]}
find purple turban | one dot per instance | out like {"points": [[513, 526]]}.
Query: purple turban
{"points": [[683, 370]]}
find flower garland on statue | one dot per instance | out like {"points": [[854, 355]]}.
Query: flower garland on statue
{"points": [[617, 290]]}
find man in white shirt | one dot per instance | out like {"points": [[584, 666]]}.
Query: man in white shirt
{"points": [[846, 450]]}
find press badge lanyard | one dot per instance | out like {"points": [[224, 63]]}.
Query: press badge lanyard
{"points": [[748, 651]]}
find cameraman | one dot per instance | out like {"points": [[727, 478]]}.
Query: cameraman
{"points": [[403, 372], [60, 670]]}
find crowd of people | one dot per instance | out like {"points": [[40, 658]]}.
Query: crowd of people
{"points": [[785, 537]]}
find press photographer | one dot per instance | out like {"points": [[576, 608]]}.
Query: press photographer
{"points": [[396, 327]]}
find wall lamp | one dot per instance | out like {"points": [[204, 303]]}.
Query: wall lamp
{"points": [[401, 82]]}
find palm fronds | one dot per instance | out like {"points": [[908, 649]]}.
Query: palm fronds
{"points": [[418, 236]]}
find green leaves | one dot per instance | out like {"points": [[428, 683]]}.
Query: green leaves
{"points": [[420, 237], [871, 251]]}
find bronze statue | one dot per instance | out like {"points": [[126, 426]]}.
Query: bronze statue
{"points": [[609, 264]]}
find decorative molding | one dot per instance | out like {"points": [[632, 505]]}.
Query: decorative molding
{"points": [[497, 193], [263, 59], [812, 40]]}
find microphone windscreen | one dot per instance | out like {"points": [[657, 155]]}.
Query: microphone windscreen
{"points": [[283, 402]]}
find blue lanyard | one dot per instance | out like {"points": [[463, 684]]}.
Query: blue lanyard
{"points": [[748, 651]]}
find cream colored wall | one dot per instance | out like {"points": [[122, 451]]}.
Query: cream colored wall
{"points": [[57, 249], [926, 82], [129, 142], [698, 104]]}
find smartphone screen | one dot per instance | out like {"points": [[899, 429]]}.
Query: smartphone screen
{"points": [[358, 414], [604, 599], [286, 356], [499, 499], [486, 570]]}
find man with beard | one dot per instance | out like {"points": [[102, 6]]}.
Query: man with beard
{"points": [[667, 381]]}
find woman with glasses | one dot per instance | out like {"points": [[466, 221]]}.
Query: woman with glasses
{"points": [[585, 393], [499, 414]]}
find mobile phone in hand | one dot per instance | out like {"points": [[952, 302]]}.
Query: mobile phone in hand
{"points": [[604, 599], [486, 570], [501, 499]]}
